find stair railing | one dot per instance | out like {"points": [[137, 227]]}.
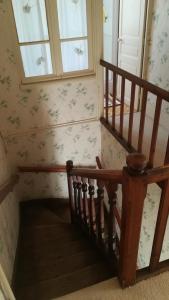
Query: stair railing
{"points": [[118, 92], [87, 209], [87, 206]]}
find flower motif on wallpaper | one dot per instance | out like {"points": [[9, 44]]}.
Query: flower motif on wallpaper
{"points": [[72, 103], [164, 59], [90, 107], [23, 155], [155, 17], [11, 56], [2, 6], [3, 104], [5, 80], [34, 109], [54, 113], [43, 96], [14, 121], [81, 89]]}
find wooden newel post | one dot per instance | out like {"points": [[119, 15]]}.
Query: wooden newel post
{"points": [[134, 192], [69, 167]]}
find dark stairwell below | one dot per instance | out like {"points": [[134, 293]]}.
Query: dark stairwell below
{"points": [[55, 257]]}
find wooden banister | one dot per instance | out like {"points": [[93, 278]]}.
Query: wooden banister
{"points": [[114, 99], [107, 94], [122, 105], [133, 189], [141, 87], [131, 117], [46, 169], [156, 175], [6, 188], [155, 131], [137, 80], [142, 120], [114, 175], [167, 154], [161, 224]]}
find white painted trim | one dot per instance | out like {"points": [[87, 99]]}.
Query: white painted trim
{"points": [[55, 44], [150, 7]]}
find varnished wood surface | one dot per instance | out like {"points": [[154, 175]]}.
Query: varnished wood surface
{"points": [[137, 80], [46, 169], [8, 187], [55, 258]]}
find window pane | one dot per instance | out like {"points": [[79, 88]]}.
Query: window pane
{"points": [[74, 55], [31, 22], [72, 18], [36, 60]]}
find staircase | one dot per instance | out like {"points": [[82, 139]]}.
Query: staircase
{"points": [[54, 256]]}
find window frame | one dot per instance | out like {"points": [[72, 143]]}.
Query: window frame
{"points": [[54, 41]]}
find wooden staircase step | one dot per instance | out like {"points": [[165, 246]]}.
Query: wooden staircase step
{"points": [[38, 236], [47, 269], [50, 289], [52, 252]]}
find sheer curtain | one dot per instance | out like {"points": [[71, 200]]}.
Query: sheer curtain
{"points": [[73, 25], [31, 23]]}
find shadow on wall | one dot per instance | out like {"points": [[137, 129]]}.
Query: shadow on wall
{"points": [[40, 122]]}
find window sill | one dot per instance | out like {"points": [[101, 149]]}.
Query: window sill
{"points": [[51, 78]]}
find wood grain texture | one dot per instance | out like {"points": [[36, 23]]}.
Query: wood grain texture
{"points": [[55, 258]]}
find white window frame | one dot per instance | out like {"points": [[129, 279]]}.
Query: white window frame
{"points": [[55, 45]]}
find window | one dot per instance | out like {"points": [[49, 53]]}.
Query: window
{"points": [[54, 37]]}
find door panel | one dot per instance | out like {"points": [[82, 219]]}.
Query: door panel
{"points": [[131, 33]]}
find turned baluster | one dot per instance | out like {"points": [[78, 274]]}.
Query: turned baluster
{"points": [[69, 167], [100, 199], [92, 212], [85, 201], [75, 195], [79, 197], [112, 205]]}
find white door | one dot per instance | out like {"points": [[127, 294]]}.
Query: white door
{"points": [[131, 37]]}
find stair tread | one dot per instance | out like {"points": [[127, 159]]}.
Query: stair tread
{"points": [[55, 257], [45, 269], [54, 250], [66, 283], [47, 234]]}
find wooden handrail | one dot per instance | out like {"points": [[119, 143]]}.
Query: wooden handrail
{"points": [[156, 175], [45, 169], [42, 169], [6, 188], [114, 175], [137, 80], [144, 88]]}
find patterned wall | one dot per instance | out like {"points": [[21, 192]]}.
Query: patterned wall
{"points": [[9, 219], [158, 60], [32, 118]]}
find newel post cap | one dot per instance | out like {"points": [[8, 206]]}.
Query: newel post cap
{"points": [[69, 165], [136, 163]]}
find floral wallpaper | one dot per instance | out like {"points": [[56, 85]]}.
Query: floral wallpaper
{"points": [[80, 143], [158, 60], [114, 156], [9, 219], [41, 123], [25, 107]]}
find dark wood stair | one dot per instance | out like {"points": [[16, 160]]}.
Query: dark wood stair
{"points": [[55, 258]]}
